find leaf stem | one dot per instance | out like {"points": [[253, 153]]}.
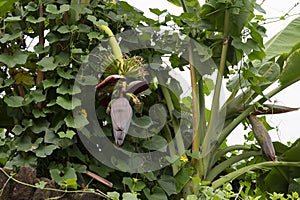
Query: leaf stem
{"points": [[215, 110], [113, 44], [178, 136], [217, 183]]}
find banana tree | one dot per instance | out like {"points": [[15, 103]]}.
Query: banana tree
{"points": [[229, 26]]}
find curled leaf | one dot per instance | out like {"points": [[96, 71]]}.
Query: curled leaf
{"points": [[273, 109]]}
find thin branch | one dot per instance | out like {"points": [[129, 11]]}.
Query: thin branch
{"points": [[99, 178]]}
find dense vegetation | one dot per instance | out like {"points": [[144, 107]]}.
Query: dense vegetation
{"points": [[54, 54]]}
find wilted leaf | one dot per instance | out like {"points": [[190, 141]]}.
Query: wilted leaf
{"points": [[24, 78]]}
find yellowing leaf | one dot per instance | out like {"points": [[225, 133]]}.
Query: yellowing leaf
{"points": [[24, 79]]}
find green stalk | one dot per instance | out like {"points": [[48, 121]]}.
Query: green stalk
{"points": [[228, 177], [178, 136], [213, 173], [116, 50], [215, 110], [226, 150], [199, 121], [172, 150]]}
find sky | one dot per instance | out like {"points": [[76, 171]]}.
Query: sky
{"points": [[286, 125]]}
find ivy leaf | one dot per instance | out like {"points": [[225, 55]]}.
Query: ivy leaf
{"points": [[95, 35], [156, 11], [65, 74], [12, 19], [18, 129], [60, 176], [95, 21], [114, 195], [39, 49], [68, 104], [40, 185], [24, 78], [9, 37], [142, 122], [156, 143], [208, 86], [245, 47], [68, 89], [129, 196], [53, 9], [18, 58], [40, 125], [25, 144], [14, 101], [157, 193], [21, 160], [6, 82], [47, 64], [37, 113], [63, 29], [167, 183], [45, 150], [31, 19], [47, 83], [175, 2], [68, 134], [34, 95]]}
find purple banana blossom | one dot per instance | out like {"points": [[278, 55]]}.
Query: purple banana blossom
{"points": [[121, 114]]}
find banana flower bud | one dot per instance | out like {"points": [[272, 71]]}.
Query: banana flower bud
{"points": [[121, 114], [263, 137]]}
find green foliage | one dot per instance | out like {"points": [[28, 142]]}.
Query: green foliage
{"points": [[39, 129]]}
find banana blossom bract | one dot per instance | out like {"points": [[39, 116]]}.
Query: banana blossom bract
{"points": [[121, 114]]}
